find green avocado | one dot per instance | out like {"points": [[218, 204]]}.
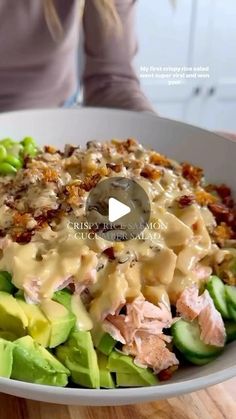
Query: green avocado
{"points": [[127, 373], [63, 297], [5, 282], [12, 317], [38, 325], [6, 358], [134, 380], [74, 304], [34, 364], [61, 321], [106, 344], [79, 356], [106, 380]]}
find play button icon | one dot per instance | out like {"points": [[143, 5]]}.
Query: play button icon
{"points": [[118, 209]]}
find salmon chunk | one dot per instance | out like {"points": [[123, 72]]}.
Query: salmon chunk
{"points": [[190, 306], [140, 331], [151, 351]]}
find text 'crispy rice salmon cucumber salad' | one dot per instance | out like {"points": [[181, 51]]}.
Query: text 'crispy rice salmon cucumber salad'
{"points": [[81, 310]]}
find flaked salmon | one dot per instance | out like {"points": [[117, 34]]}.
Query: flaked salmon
{"points": [[151, 351], [140, 330], [191, 305]]}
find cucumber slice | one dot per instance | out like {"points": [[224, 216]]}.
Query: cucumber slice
{"points": [[230, 328], [5, 282], [230, 293], [186, 337], [232, 312], [200, 361], [216, 290]]}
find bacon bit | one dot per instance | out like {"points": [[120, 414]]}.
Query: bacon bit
{"points": [[115, 167], [222, 213], [223, 191], [90, 182], [151, 173], [223, 232], [159, 160], [109, 252], [192, 173], [47, 217], [23, 237], [166, 374], [26, 161], [49, 174], [185, 201], [205, 198], [49, 149]]}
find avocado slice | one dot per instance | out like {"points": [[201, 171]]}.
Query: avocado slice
{"points": [[61, 321], [106, 379], [123, 366], [12, 317], [106, 344], [76, 306], [63, 297], [134, 380], [6, 357], [5, 282], [34, 364], [79, 356], [38, 325]]}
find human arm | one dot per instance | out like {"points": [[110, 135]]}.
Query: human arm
{"points": [[109, 78]]}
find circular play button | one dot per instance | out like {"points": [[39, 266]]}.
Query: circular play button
{"points": [[118, 209]]}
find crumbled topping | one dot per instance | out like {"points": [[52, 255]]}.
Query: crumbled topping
{"points": [[159, 160], [204, 198], [192, 173], [151, 172]]}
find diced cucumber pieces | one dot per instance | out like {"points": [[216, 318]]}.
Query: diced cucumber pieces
{"points": [[230, 293], [5, 282], [232, 312], [230, 328], [186, 337], [216, 290], [200, 361]]}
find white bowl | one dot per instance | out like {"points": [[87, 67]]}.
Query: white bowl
{"points": [[180, 141]]}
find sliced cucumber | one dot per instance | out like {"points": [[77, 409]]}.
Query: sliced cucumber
{"points": [[216, 290], [230, 293], [230, 328], [186, 337], [232, 312], [200, 361]]}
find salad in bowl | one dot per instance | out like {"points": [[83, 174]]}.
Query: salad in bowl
{"points": [[79, 310]]}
